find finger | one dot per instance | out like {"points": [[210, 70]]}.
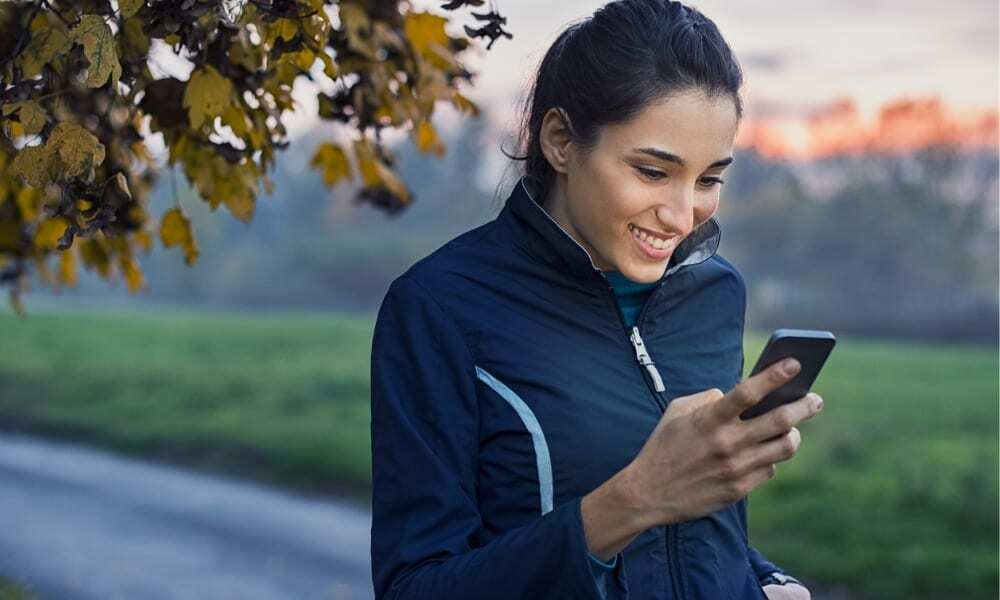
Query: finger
{"points": [[780, 420], [749, 391], [773, 451], [757, 477]]}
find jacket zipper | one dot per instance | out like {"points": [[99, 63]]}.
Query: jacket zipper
{"points": [[646, 362]]}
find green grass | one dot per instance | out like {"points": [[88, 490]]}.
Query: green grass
{"points": [[281, 398], [893, 492], [10, 590], [894, 487]]}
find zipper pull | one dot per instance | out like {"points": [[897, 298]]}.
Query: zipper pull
{"points": [[645, 360]]}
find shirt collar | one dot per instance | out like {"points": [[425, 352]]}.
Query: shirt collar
{"points": [[545, 239]]}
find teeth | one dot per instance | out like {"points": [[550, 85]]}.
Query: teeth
{"points": [[649, 239]]}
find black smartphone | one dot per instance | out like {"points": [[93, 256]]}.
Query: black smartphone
{"points": [[808, 346]]}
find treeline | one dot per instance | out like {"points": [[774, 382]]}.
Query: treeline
{"points": [[876, 245]]}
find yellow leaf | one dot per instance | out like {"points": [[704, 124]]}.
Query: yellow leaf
{"points": [[130, 7], [76, 148], [465, 105], [355, 23], [41, 262], [367, 164], [427, 139], [32, 117], [99, 48], [240, 203], [49, 231], [206, 94], [243, 53], [392, 181], [286, 29], [142, 238], [10, 235], [375, 173], [32, 165], [329, 67], [236, 119], [136, 43], [46, 43], [425, 30], [68, 266], [175, 230], [132, 273], [27, 202], [14, 129], [332, 161], [95, 256], [304, 58]]}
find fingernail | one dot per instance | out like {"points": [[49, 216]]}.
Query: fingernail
{"points": [[818, 403], [790, 366]]}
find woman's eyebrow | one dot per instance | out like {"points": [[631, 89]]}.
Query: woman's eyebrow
{"points": [[669, 156]]}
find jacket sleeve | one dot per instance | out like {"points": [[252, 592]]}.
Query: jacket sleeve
{"points": [[761, 565], [426, 534]]}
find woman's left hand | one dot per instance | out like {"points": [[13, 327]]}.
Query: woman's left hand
{"points": [[789, 591]]}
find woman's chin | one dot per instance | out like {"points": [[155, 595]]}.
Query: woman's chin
{"points": [[645, 273]]}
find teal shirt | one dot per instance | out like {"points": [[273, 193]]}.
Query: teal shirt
{"points": [[630, 296]]}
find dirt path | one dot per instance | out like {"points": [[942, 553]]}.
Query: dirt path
{"points": [[82, 523]]}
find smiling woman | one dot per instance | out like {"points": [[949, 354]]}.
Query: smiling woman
{"points": [[548, 419], [627, 199]]}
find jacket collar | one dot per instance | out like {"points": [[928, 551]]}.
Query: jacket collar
{"points": [[545, 239]]}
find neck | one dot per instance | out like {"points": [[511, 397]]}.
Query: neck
{"points": [[556, 204]]}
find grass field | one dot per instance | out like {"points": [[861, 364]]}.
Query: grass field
{"points": [[893, 492], [10, 590]]}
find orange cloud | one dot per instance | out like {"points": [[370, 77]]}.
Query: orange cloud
{"points": [[838, 128]]}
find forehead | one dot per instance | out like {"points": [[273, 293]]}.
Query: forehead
{"points": [[691, 125]]}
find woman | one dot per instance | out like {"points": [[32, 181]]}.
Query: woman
{"points": [[548, 418]]}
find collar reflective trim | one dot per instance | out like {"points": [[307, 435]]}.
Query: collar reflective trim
{"points": [[700, 245]]}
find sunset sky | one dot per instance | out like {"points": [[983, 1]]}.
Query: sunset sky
{"points": [[820, 76]]}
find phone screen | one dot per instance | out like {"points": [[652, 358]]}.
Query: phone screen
{"points": [[810, 347]]}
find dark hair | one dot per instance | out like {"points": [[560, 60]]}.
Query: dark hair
{"points": [[607, 67]]}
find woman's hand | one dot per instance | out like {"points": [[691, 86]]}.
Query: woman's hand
{"points": [[789, 591], [702, 457]]}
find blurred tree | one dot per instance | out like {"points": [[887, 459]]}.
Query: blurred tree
{"points": [[78, 100]]}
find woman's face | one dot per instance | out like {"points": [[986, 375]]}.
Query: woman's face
{"points": [[647, 184]]}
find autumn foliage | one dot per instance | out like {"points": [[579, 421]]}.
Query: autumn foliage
{"points": [[80, 97]]}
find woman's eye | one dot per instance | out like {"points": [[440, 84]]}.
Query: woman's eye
{"points": [[656, 175]]}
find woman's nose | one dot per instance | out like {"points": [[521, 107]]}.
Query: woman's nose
{"points": [[677, 217]]}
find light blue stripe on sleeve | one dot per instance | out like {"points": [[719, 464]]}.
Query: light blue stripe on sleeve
{"points": [[542, 460]]}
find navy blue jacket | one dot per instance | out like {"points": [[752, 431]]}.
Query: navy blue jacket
{"points": [[505, 386]]}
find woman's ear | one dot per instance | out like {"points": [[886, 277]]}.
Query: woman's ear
{"points": [[555, 138]]}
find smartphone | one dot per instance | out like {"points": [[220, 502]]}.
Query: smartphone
{"points": [[810, 347]]}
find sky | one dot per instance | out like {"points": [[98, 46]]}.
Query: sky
{"points": [[820, 76], [804, 63], [800, 54]]}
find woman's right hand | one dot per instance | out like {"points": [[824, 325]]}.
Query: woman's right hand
{"points": [[701, 456]]}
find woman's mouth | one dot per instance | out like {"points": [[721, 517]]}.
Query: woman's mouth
{"points": [[652, 246]]}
